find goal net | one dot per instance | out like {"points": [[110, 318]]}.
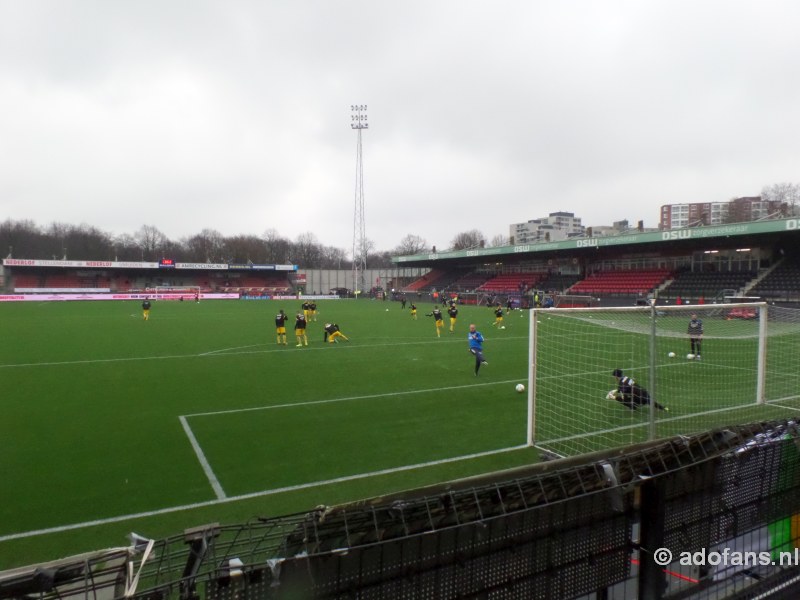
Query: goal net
{"points": [[748, 369]]}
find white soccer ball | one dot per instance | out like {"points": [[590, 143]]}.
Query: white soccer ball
{"points": [[520, 388], [611, 395], [690, 356], [671, 355], [502, 326]]}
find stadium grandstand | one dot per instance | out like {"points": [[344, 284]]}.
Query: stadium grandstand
{"points": [[701, 264], [584, 526]]}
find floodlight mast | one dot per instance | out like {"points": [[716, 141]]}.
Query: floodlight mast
{"points": [[359, 122]]}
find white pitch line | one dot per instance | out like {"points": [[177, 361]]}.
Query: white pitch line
{"points": [[208, 355], [783, 406], [226, 349], [212, 478], [290, 488], [332, 400]]}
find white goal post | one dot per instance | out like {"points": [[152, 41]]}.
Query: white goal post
{"points": [[745, 367]]}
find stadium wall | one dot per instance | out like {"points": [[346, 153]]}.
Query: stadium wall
{"points": [[323, 280], [91, 296]]}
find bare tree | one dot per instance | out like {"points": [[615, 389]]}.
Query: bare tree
{"points": [[380, 260], [786, 193], [411, 244], [306, 251], [334, 258], [21, 239], [151, 241], [85, 242], [207, 246], [245, 249], [126, 248], [499, 240], [467, 240], [277, 247]]}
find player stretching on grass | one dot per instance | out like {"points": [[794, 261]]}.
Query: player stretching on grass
{"points": [[332, 332], [475, 340], [631, 394]]}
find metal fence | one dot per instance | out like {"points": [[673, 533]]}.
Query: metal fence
{"points": [[725, 504]]}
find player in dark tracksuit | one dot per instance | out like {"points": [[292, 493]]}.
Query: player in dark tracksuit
{"points": [[695, 331], [632, 395]]}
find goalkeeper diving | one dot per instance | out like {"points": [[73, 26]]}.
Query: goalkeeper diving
{"points": [[630, 394]]}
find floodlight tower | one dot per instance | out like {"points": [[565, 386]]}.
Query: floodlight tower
{"points": [[359, 122]]}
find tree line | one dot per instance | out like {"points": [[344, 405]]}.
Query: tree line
{"points": [[26, 239]]}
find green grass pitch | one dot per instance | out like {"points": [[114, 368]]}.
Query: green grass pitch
{"points": [[95, 401], [111, 424]]}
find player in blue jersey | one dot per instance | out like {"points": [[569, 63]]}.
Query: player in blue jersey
{"points": [[475, 340]]}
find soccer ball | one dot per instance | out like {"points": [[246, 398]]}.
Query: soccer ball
{"points": [[611, 395], [502, 326], [690, 356], [671, 355], [520, 388]]}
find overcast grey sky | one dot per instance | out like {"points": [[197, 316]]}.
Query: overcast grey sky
{"points": [[235, 115]]}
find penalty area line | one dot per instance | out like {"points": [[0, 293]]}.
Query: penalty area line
{"points": [[348, 398], [261, 494], [209, 353], [212, 478]]}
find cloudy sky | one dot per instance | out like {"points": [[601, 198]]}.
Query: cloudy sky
{"points": [[235, 115]]}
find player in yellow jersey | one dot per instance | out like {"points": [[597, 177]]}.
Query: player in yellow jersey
{"points": [[453, 312], [437, 317], [146, 309], [413, 311], [307, 311], [498, 318], [280, 326], [300, 330], [332, 332], [313, 306]]}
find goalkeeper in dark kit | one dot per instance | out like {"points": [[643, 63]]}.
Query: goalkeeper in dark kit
{"points": [[630, 394]]}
